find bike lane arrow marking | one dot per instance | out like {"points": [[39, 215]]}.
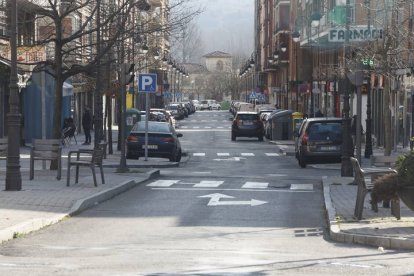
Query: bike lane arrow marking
{"points": [[215, 201]]}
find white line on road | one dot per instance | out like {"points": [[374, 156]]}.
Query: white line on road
{"points": [[163, 183], [199, 154], [255, 185], [247, 154], [208, 184], [223, 154], [237, 190], [301, 186], [272, 154]]}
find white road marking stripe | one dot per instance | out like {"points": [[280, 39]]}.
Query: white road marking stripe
{"points": [[163, 183], [272, 154], [238, 190], [199, 154], [255, 185], [207, 127], [247, 154], [220, 127], [197, 127], [223, 154], [208, 184], [301, 186]]}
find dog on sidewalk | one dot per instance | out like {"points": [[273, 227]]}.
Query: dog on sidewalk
{"points": [[385, 189]]}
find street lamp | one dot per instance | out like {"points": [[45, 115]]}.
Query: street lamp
{"points": [[296, 39], [283, 48], [13, 174]]}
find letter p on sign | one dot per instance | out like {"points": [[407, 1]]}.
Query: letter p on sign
{"points": [[147, 83]]}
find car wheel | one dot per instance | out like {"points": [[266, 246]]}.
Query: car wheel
{"points": [[178, 157], [260, 138], [302, 161], [233, 137]]}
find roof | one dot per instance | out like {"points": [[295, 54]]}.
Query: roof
{"points": [[218, 54], [194, 68]]}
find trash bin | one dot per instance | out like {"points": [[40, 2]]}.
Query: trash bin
{"points": [[282, 125], [131, 117], [297, 120]]}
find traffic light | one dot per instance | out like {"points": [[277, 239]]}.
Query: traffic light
{"points": [[127, 73]]}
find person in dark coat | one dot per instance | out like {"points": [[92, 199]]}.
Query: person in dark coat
{"points": [[87, 124]]}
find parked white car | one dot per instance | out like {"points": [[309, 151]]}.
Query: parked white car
{"points": [[214, 105]]}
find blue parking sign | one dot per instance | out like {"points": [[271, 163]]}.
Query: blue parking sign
{"points": [[147, 83]]}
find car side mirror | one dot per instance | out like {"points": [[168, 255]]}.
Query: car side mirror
{"points": [[179, 135]]}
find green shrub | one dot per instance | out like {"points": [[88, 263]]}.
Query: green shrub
{"points": [[405, 169]]}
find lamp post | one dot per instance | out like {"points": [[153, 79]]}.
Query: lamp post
{"points": [[296, 39], [315, 20], [346, 167], [13, 174], [283, 48], [368, 132]]}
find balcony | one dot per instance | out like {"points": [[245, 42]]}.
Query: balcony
{"points": [[155, 3]]}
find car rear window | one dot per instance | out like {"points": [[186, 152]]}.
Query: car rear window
{"points": [[152, 127], [248, 117], [204, 102], [325, 131]]}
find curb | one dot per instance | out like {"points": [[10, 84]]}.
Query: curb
{"points": [[184, 160], [79, 206], [336, 234]]}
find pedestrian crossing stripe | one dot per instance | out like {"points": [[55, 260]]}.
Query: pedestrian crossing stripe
{"points": [[244, 154], [163, 183], [272, 154], [217, 183], [255, 185], [208, 184]]}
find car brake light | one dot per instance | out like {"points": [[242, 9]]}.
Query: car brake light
{"points": [[305, 138], [168, 140], [133, 139]]}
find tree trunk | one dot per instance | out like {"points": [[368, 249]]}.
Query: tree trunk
{"points": [[387, 119]]}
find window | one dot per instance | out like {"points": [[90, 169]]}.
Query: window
{"points": [[219, 65]]}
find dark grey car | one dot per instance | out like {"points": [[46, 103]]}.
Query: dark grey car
{"points": [[319, 140]]}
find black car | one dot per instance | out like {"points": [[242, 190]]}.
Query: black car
{"points": [[162, 141], [247, 124], [319, 140], [176, 110]]}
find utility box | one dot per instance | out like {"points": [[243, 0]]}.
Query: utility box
{"points": [[297, 120], [282, 125], [131, 117]]}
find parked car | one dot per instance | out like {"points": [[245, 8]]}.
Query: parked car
{"points": [[162, 141], [205, 105], [176, 110], [196, 104], [319, 140], [214, 105], [247, 124]]}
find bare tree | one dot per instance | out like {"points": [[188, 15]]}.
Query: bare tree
{"points": [[388, 53]]}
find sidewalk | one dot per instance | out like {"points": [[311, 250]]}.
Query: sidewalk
{"points": [[46, 200], [375, 229]]}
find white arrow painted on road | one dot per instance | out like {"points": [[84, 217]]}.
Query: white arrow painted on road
{"points": [[215, 200]]}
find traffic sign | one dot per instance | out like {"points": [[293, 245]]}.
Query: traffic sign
{"points": [[147, 83]]}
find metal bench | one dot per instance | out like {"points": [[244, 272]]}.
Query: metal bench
{"points": [[46, 149], [90, 158], [365, 186], [383, 161]]}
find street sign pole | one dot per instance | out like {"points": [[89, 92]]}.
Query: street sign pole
{"points": [[147, 99], [147, 84]]}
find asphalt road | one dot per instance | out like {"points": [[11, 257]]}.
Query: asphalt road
{"points": [[235, 208]]}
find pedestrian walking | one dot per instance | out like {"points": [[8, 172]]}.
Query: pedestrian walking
{"points": [[87, 124]]}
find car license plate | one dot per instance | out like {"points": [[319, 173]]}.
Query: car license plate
{"points": [[328, 148], [150, 146], [247, 123]]}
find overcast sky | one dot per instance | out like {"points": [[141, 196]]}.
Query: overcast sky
{"points": [[227, 25]]}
